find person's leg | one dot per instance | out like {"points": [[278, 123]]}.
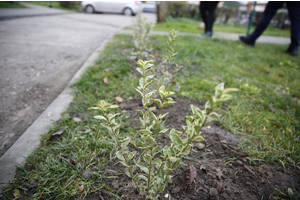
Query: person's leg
{"points": [[211, 14], [266, 18], [203, 9], [294, 15], [263, 23]]}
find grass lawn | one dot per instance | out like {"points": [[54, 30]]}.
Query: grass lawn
{"points": [[192, 26], [11, 4], [266, 110]]}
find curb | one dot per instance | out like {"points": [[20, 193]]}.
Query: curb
{"points": [[30, 139]]}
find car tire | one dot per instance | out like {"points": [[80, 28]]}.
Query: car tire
{"points": [[127, 12], [89, 9]]}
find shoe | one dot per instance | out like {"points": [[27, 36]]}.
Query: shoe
{"points": [[207, 34], [247, 41], [292, 51]]}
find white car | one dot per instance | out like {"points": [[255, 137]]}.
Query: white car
{"points": [[128, 8], [149, 6]]}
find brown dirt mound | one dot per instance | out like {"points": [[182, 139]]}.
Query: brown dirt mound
{"points": [[223, 171]]}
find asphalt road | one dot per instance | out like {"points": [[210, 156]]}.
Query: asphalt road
{"points": [[39, 53]]}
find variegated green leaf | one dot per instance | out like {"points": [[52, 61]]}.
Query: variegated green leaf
{"points": [[148, 70], [210, 99], [228, 90], [213, 116], [120, 156], [149, 78], [124, 143], [187, 150], [151, 140], [176, 140], [131, 155], [178, 133], [197, 128], [142, 167], [141, 82], [95, 108], [100, 117], [139, 111], [158, 102], [147, 158], [199, 139], [140, 71], [147, 85], [163, 116], [225, 97], [145, 131], [112, 117]]}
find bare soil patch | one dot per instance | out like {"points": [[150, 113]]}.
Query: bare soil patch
{"points": [[223, 171]]}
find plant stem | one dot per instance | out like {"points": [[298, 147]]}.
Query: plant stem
{"points": [[120, 149]]}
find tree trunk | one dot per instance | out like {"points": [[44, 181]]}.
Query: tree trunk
{"points": [[162, 11]]}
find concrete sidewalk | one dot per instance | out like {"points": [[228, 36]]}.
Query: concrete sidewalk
{"points": [[31, 11]]}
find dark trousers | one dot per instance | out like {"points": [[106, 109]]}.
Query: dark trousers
{"points": [[269, 13], [207, 11]]}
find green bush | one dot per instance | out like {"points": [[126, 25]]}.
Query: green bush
{"points": [[69, 4]]}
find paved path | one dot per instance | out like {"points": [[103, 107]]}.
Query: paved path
{"points": [[110, 24], [31, 11]]}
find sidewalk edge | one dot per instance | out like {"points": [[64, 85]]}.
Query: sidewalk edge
{"points": [[30, 139]]}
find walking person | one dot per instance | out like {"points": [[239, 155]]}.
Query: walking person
{"points": [[207, 10], [269, 12]]}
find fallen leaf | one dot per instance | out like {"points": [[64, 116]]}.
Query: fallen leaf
{"points": [[244, 155], [71, 161], [119, 99], [58, 132], [76, 119], [81, 188], [105, 80], [191, 172], [16, 193]]}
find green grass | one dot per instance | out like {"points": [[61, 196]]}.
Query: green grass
{"points": [[192, 26], [266, 110], [55, 4], [11, 4]]}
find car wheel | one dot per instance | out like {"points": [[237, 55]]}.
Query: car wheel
{"points": [[89, 9], [127, 12]]}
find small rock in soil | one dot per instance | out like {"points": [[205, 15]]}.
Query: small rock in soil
{"points": [[115, 185], [213, 192], [86, 174], [175, 190], [120, 191], [33, 184], [238, 163], [199, 146]]}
